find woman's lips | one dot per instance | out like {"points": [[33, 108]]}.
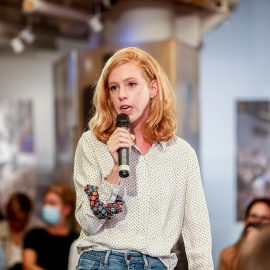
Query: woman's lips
{"points": [[126, 109]]}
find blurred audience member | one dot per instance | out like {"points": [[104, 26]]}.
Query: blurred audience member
{"points": [[258, 212], [49, 248], [254, 253], [1, 214], [3, 260], [13, 228]]}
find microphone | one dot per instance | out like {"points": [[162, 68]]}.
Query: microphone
{"points": [[122, 120]]}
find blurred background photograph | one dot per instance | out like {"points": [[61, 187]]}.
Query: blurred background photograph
{"points": [[253, 153]]}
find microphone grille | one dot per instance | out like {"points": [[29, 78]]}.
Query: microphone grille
{"points": [[122, 120]]}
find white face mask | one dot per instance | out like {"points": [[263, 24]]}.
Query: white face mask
{"points": [[51, 214]]}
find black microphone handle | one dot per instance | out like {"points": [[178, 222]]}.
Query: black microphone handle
{"points": [[123, 160]]}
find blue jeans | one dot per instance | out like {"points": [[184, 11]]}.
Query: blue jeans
{"points": [[113, 260]]}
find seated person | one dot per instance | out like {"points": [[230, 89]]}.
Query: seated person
{"points": [[258, 212], [254, 253], [48, 248], [13, 228]]}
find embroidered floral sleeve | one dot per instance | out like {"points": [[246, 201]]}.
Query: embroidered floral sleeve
{"points": [[101, 210]]}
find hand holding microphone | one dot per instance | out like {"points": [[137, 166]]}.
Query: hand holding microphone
{"points": [[118, 146]]}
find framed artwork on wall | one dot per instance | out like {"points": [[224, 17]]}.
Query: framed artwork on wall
{"points": [[253, 152], [18, 157], [64, 85]]}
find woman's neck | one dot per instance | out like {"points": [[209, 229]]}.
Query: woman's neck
{"points": [[140, 141]]}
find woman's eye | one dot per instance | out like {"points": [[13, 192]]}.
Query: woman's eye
{"points": [[113, 87], [132, 84]]}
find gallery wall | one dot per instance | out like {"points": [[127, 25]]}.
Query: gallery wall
{"points": [[29, 77], [234, 66]]}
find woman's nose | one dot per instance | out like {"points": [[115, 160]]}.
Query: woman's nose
{"points": [[122, 93]]}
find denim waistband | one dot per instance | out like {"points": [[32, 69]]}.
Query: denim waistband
{"points": [[125, 256]]}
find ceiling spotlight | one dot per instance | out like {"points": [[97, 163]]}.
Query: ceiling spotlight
{"points": [[17, 45], [27, 35], [95, 23]]}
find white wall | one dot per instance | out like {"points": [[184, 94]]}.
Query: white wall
{"points": [[234, 65], [30, 76]]}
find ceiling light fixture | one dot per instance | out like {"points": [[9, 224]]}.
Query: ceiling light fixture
{"points": [[17, 45], [95, 20], [27, 35], [39, 6], [95, 23]]}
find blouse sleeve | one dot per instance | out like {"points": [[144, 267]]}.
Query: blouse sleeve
{"points": [[87, 172], [196, 226]]}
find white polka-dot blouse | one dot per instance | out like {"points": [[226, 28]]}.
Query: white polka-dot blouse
{"points": [[163, 197]]}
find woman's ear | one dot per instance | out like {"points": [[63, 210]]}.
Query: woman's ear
{"points": [[154, 88]]}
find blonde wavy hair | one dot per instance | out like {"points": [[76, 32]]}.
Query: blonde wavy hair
{"points": [[161, 123]]}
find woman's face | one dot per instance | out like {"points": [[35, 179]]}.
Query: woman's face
{"points": [[18, 221], [259, 213], [130, 93], [53, 199]]}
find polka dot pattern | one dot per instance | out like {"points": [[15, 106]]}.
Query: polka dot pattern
{"points": [[163, 197]]}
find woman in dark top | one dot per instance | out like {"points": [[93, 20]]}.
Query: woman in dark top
{"points": [[48, 248]]}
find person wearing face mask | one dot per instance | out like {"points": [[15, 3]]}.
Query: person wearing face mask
{"points": [[257, 213], [48, 248], [133, 222]]}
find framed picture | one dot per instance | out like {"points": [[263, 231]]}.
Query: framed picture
{"points": [[18, 157], [253, 153]]}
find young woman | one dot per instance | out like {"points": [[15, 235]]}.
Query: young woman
{"points": [[135, 221], [48, 248]]}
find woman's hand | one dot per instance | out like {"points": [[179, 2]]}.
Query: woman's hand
{"points": [[120, 138]]}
